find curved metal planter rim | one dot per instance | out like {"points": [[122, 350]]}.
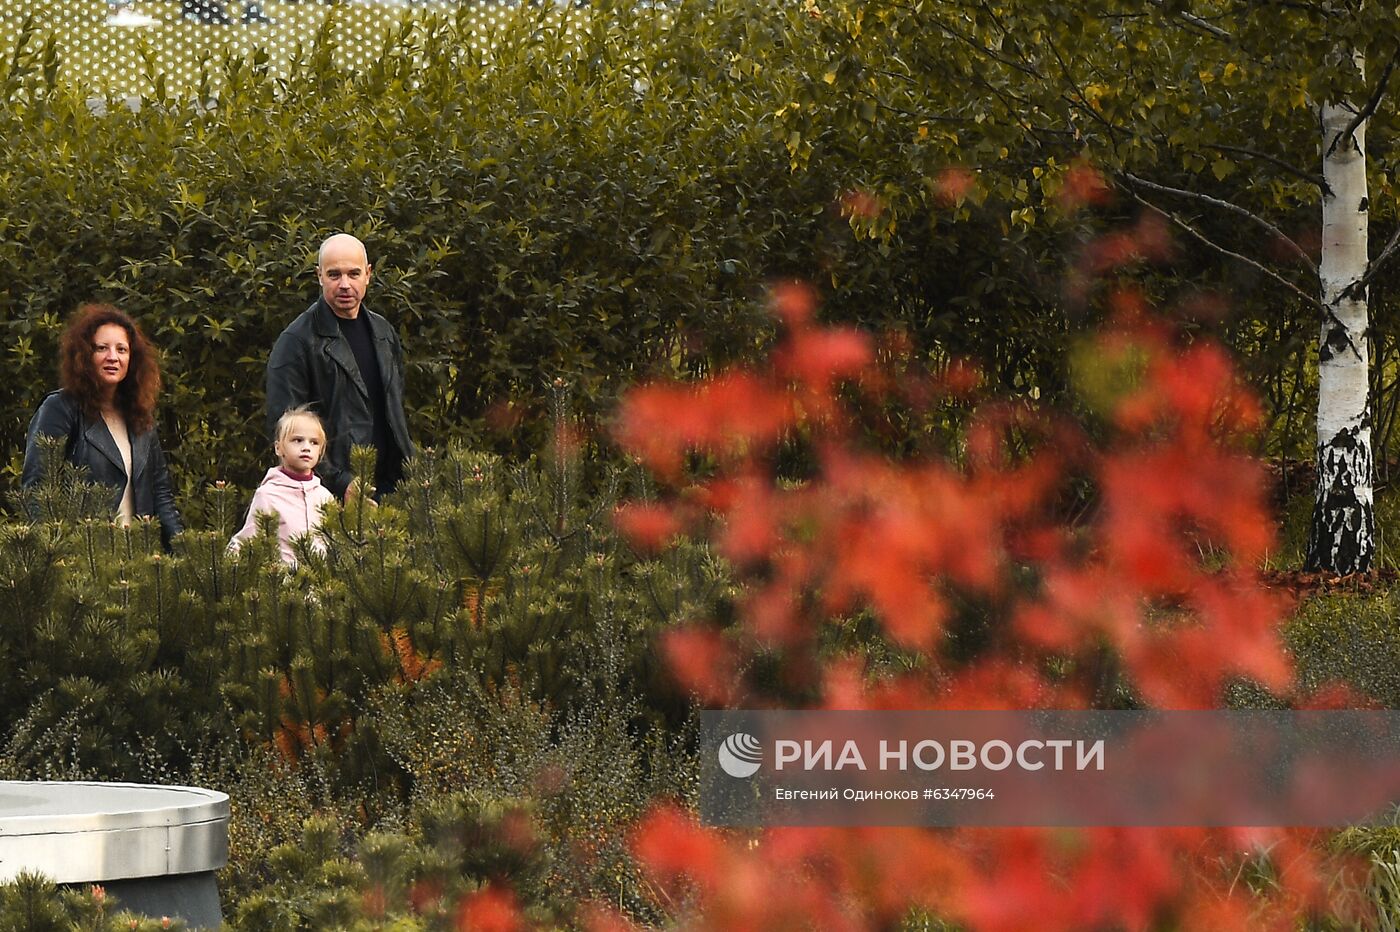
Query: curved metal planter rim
{"points": [[90, 832]]}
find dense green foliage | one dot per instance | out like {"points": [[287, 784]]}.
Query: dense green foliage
{"points": [[482, 631], [595, 205], [1349, 639], [605, 203], [554, 212]]}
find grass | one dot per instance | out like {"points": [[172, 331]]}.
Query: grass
{"points": [[1294, 518], [122, 61]]}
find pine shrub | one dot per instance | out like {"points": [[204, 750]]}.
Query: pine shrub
{"points": [[483, 631]]}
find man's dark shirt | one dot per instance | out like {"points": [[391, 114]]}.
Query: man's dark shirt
{"points": [[389, 465]]}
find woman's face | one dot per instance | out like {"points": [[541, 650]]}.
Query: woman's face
{"points": [[111, 354]]}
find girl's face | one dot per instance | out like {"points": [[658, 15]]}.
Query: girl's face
{"points": [[111, 355], [300, 450]]}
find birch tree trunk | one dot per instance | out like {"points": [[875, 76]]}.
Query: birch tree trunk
{"points": [[1342, 537]]}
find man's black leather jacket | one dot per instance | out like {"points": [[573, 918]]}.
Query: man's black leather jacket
{"points": [[312, 364]]}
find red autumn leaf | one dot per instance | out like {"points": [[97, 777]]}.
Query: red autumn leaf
{"points": [[702, 663], [672, 846], [492, 909], [792, 302], [960, 378], [860, 204], [425, 896], [648, 527], [655, 426], [953, 185], [1084, 184], [751, 530], [818, 358], [1335, 696], [601, 917], [373, 901]]}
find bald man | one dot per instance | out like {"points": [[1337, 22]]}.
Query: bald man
{"points": [[345, 361]]}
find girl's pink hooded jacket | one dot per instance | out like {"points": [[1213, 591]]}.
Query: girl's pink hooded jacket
{"points": [[297, 504]]}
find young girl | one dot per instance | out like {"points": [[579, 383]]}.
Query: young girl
{"points": [[291, 490]]}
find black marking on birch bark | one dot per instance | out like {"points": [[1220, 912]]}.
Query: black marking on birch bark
{"points": [[1342, 536], [1335, 339], [1356, 291], [1351, 143]]}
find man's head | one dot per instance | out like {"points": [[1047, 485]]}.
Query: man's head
{"points": [[343, 270]]}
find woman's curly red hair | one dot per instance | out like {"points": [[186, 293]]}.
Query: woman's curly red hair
{"points": [[137, 393]]}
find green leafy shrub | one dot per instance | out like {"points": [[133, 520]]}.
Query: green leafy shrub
{"points": [[599, 204], [123, 659], [33, 904], [589, 770], [529, 217], [396, 880], [483, 631]]}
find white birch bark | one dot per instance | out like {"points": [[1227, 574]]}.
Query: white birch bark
{"points": [[1343, 532]]}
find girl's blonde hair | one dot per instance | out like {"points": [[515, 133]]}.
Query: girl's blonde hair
{"points": [[284, 423]]}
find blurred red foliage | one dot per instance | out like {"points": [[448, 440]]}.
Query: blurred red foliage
{"points": [[1084, 184], [1153, 582], [490, 909], [953, 185]]}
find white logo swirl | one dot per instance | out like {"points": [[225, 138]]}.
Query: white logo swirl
{"points": [[740, 755]]}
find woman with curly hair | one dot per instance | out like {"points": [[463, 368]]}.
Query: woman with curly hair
{"points": [[105, 415]]}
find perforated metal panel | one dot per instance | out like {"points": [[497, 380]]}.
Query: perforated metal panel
{"points": [[119, 47]]}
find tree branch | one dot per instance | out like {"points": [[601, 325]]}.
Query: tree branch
{"points": [[930, 117], [1275, 160], [1312, 300], [1373, 267], [1365, 112], [1226, 205], [1320, 9], [993, 55], [1078, 101], [1196, 21]]}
